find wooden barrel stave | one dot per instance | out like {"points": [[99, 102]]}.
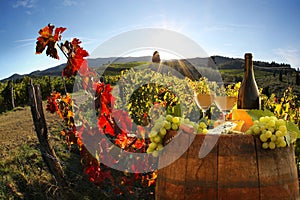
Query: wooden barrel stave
{"points": [[236, 168], [201, 177], [175, 173], [277, 173]]}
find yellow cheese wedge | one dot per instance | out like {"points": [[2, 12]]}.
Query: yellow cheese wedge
{"points": [[241, 114]]}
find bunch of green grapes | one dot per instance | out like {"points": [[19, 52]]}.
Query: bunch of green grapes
{"points": [[164, 124], [200, 128], [272, 132], [159, 130]]}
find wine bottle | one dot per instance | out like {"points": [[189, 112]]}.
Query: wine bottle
{"points": [[248, 97]]}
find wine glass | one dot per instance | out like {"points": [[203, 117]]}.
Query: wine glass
{"points": [[225, 104], [224, 101], [203, 101]]}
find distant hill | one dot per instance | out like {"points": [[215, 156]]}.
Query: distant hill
{"points": [[98, 62], [93, 62], [189, 67], [13, 77], [238, 63], [271, 77]]}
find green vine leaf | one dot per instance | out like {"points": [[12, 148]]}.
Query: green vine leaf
{"points": [[256, 114], [293, 130]]}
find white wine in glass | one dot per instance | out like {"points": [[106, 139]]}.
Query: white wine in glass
{"points": [[225, 103], [203, 101]]}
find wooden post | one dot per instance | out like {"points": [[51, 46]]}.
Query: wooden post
{"points": [[297, 78], [12, 94], [48, 154]]}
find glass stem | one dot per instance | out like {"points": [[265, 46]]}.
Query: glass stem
{"points": [[225, 114], [203, 113]]}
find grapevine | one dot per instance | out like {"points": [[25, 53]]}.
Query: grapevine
{"points": [[64, 106]]}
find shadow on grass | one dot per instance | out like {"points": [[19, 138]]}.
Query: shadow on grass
{"points": [[84, 189], [23, 175]]}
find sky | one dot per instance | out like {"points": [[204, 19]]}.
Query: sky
{"points": [[269, 29]]}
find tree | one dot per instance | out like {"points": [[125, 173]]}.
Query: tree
{"points": [[7, 94], [280, 76], [297, 78], [2, 109]]}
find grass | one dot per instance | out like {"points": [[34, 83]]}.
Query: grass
{"points": [[22, 170], [24, 175]]}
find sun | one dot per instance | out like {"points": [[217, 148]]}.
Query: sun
{"points": [[164, 53]]}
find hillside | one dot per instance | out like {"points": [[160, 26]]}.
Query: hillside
{"points": [[93, 62], [216, 68], [192, 64]]}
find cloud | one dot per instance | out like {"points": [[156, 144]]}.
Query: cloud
{"points": [[25, 3], [69, 2], [291, 55], [25, 42], [216, 28]]}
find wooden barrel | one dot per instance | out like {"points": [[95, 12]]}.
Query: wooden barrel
{"points": [[236, 168]]}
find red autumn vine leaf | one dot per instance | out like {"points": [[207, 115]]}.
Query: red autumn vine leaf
{"points": [[70, 136], [79, 137], [67, 99], [122, 141], [152, 180], [46, 39], [102, 176], [98, 87], [109, 98], [106, 125], [123, 120], [86, 73], [51, 105], [76, 59], [139, 144], [104, 100]]}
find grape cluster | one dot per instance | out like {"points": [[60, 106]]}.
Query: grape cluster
{"points": [[202, 128], [166, 123], [159, 130], [272, 132]]}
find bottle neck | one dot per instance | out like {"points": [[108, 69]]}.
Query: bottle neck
{"points": [[248, 67]]}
